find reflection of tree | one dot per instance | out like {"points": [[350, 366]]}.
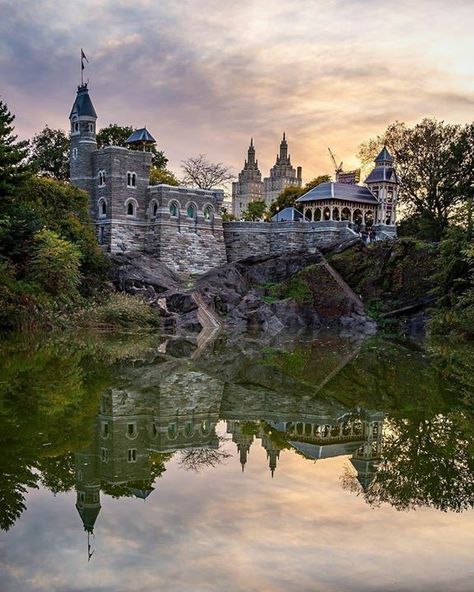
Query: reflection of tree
{"points": [[196, 459], [48, 397], [427, 462], [58, 473], [15, 479]]}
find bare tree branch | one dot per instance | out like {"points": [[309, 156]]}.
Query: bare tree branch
{"points": [[195, 459], [200, 172]]}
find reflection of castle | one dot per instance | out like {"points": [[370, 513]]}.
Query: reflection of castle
{"points": [[176, 406], [131, 429], [357, 435]]}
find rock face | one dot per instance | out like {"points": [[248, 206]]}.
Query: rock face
{"points": [[262, 294]]}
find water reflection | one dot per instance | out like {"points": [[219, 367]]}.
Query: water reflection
{"points": [[404, 426]]}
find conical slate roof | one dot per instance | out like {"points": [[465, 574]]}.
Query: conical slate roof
{"points": [[83, 106], [88, 516], [139, 136], [384, 156]]}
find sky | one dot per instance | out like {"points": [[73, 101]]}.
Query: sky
{"points": [[221, 529], [206, 75]]}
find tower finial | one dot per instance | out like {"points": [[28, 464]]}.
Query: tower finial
{"points": [[251, 142], [284, 136]]}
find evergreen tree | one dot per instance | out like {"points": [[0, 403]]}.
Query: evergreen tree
{"points": [[13, 170]]}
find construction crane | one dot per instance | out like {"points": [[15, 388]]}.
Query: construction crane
{"points": [[338, 168]]}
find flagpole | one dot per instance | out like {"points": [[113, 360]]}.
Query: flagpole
{"points": [[82, 70]]}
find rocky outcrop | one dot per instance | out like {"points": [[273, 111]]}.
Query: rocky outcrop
{"points": [[298, 291]]}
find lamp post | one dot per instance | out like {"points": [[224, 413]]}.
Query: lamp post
{"points": [[278, 209]]}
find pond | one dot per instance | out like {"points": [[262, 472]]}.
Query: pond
{"points": [[146, 463]]}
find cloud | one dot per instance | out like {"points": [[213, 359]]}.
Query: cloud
{"points": [[205, 76]]}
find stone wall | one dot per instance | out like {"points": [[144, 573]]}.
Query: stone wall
{"points": [[187, 244], [243, 239]]}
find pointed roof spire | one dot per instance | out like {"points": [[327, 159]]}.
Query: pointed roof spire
{"points": [[284, 136], [251, 142], [384, 156], [83, 106]]}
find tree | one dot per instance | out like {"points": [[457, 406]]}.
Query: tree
{"points": [[286, 199], [116, 135], [165, 176], [316, 181], [254, 211], [289, 195], [13, 170], [200, 172], [49, 154], [113, 135], [433, 170]]}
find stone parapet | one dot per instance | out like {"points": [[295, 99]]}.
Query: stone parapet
{"points": [[244, 239]]}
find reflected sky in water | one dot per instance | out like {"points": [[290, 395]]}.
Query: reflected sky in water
{"points": [[181, 513]]}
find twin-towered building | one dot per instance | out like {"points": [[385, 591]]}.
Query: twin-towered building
{"points": [[250, 186]]}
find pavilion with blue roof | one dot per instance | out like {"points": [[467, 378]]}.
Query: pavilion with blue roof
{"points": [[371, 204]]}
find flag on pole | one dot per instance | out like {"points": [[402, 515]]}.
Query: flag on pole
{"points": [[83, 57]]}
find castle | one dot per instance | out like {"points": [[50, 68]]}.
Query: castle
{"points": [[182, 227]]}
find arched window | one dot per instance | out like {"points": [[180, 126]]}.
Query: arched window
{"points": [[317, 215], [326, 214], [74, 153], [172, 432], [208, 213], [191, 211], [131, 207], [357, 217], [101, 235], [345, 214], [174, 209], [188, 429], [102, 207], [155, 208], [131, 179], [132, 431], [335, 214], [101, 178]]}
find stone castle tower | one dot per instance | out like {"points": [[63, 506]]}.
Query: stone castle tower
{"points": [[249, 187], [181, 227], [282, 174]]}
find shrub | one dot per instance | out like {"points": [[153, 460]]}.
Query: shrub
{"points": [[55, 266], [119, 310]]}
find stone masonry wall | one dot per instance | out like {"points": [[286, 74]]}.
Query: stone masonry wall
{"points": [[186, 244], [243, 239]]}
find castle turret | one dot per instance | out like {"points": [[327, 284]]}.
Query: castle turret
{"points": [[383, 183], [83, 139]]}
